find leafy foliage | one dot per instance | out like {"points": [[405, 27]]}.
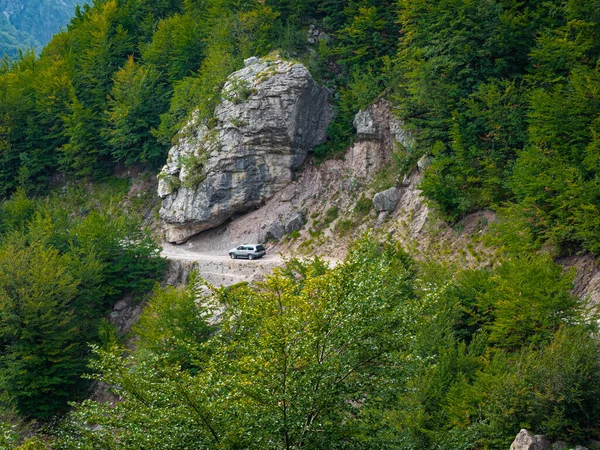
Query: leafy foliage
{"points": [[372, 353], [59, 274], [504, 96]]}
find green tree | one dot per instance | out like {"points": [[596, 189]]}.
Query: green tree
{"points": [[177, 47], [293, 360], [134, 107], [42, 357]]}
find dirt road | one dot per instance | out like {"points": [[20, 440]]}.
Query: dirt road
{"points": [[181, 253], [216, 267]]}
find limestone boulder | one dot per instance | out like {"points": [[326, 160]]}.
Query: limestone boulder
{"points": [[272, 115], [386, 200], [295, 223], [527, 441], [274, 232]]}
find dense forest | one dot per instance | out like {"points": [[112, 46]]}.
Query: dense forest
{"points": [[380, 351]]}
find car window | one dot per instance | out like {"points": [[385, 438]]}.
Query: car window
{"points": [[241, 247], [260, 248]]}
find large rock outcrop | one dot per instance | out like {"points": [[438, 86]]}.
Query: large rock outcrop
{"points": [[272, 114]]}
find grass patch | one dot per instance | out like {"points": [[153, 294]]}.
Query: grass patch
{"points": [[330, 215], [344, 226], [363, 206]]}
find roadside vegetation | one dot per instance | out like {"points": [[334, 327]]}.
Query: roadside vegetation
{"points": [[377, 352]]}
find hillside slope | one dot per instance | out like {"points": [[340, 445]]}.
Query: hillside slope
{"points": [[443, 155], [26, 24]]}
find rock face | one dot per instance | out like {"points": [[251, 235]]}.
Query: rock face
{"points": [[377, 123], [272, 114], [527, 441]]}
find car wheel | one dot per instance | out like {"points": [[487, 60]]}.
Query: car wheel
{"points": [[250, 256], [232, 255]]}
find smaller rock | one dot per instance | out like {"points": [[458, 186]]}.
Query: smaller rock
{"points": [[527, 441], [366, 127], [274, 232], [383, 215], [295, 223], [251, 60], [424, 162], [401, 135], [324, 37], [405, 181], [191, 245], [288, 194], [559, 445], [120, 305], [581, 447], [386, 200]]}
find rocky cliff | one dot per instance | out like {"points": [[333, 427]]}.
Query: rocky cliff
{"points": [[272, 114]]}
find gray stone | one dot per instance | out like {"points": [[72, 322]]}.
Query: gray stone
{"points": [[559, 445], [424, 162], [527, 441], [386, 200], [251, 60], [120, 305], [593, 445], [366, 126], [324, 37], [581, 447], [272, 114], [274, 233], [381, 218], [315, 35], [378, 123], [289, 193], [295, 223], [401, 136]]}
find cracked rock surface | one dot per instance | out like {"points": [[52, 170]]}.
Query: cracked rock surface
{"points": [[272, 114]]}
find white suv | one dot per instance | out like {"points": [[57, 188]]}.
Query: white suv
{"points": [[250, 251]]}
